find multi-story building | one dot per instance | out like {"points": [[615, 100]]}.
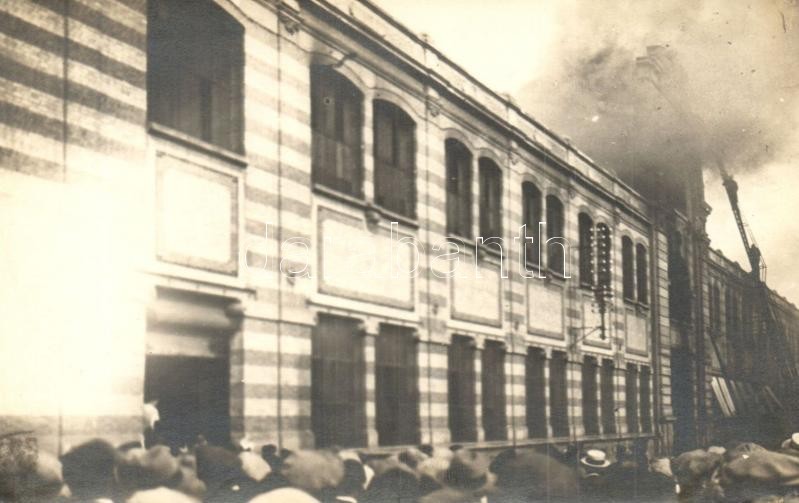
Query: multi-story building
{"points": [[266, 219]]}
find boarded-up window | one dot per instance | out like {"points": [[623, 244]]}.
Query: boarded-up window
{"points": [[535, 383], [604, 258], [556, 249], [558, 395], [627, 268], [395, 159], [590, 406], [490, 199], [493, 391], [641, 273], [338, 393], [531, 207], [631, 397], [646, 399], [336, 125], [459, 189], [195, 65], [607, 400], [397, 386], [461, 381], [586, 232]]}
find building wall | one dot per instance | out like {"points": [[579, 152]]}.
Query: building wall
{"points": [[76, 130]]}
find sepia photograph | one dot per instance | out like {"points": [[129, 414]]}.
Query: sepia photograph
{"points": [[399, 251]]}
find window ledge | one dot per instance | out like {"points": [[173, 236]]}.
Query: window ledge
{"points": [[195, 143], [358, 201], [630, 301], [553, 274], [397, 217], [460, 240]]}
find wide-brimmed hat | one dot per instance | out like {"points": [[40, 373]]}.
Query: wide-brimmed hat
{"points": [[313, 471], [161, 495], [595, 458], [148, 468], [792, 442], [469, 470]]}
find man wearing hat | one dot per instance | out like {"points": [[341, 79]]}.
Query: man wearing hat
{"points": [[791, 446], [593, 471]]}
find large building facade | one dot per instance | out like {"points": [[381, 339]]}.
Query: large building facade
{"points": [[265, 218]]}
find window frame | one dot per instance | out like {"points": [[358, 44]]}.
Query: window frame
{"points": [[397, 386], [628, 269], [346, 94], [492, 378], [642, 274], [334, 428], [532, 215], [401, 124], [559, 394], [631, 398], [218, 79], [490, 202], [589, 385], [535, 392], [461, 384], [458, 165], [607, 396], [585, 226], [556, 225]]}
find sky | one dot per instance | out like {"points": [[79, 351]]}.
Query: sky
{"points": [[725, 93]]}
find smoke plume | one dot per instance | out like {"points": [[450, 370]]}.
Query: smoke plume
{"points": [[663, 87]]}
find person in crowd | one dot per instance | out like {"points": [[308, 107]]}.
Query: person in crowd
{"points": [[593, 471], [791, 445], [533, 476]]}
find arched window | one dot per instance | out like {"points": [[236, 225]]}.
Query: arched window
{"points": [[586, 231], [531, 216], [490, 199], [336, 124], [556, 249], [195, 63], [604, 258], [459, 189], [627, 268], [395, 159], [642, 273]]}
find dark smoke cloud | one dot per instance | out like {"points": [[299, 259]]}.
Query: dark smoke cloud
{"points": [[728, 71]]}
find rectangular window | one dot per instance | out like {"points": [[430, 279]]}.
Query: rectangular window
{"points": [[490, 199], [558, 395], [461, 383], [607, 400], [459, 189], [627, 268], [631, 397], [338, 392], [641, 275], [195, 63], [646, 400], [556, 249], [336, 125], [535, 383], [396, 386], [589, 388], [493, 391], [395, 159], [532, 217], [586, 232]]}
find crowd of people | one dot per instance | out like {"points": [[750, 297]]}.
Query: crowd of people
{"points": [[96, 471]]}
